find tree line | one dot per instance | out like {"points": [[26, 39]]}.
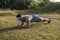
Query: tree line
{"points": [[28, 4], [20, 4], [14, 4]]}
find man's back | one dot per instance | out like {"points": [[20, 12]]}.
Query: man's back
{"points": [[32, 17]]}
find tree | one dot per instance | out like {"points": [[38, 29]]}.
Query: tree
{"points": [[14, 4], [22, 4], [46, 1]]}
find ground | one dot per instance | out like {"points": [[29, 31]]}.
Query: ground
{"points": [[9, 29]]}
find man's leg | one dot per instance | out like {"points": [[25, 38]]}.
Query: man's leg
{"points": [[48, 20]]}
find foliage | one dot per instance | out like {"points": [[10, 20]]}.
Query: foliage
{"points": [[53, 7], [34, 5], [41, 5], [14, 4], [21, 4]]}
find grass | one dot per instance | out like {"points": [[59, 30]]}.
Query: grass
{"points": [[9, 29]]}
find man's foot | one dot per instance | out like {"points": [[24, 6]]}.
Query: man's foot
{"points": [[49, 21]]}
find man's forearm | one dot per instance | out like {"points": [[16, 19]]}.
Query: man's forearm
{"points": [[22, 23], [28, 23]]}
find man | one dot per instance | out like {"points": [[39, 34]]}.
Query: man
{"points": [[30, 18]]}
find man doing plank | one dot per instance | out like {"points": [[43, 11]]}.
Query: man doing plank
{"points": [[30, 18]]}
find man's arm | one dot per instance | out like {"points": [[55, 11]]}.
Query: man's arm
{"points": [[28, 22], [22, 23]]}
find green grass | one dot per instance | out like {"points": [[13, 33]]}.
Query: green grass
{"points": [[9, 29]]}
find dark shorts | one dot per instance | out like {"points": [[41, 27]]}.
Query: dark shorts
{"points": [[35, 18]]}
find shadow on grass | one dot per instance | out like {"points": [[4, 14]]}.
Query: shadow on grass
{"points": [[15, 28], [11, 28]]}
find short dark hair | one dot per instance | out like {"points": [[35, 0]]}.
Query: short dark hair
{"points": [[18, 15]]}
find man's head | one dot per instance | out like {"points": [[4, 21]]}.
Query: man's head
{"points": [[18, 16]]}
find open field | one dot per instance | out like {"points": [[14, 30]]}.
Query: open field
{"points": [[39, 31]]}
